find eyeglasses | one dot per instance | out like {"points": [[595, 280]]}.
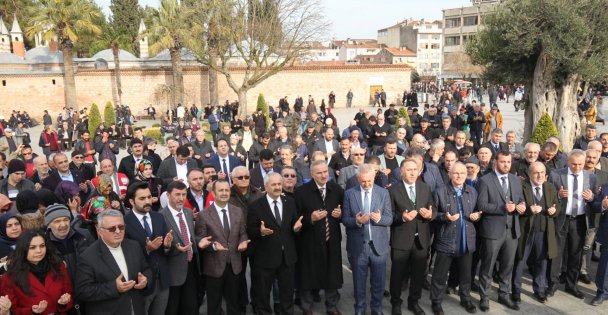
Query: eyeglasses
{"points": [[244, 177], [78, 157], [115, 228], [358, 154], [290, 175], [27, 153]]}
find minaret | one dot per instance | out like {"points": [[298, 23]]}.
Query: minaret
{"points": [[5, 38], [17, 39], [143, 40]]}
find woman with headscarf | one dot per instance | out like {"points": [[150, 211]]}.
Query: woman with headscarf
{"points": [[105, 189], [10, 230], [28, 207], [37, 281], [144, 173]]}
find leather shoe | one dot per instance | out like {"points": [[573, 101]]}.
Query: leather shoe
{"points": [[506, 301], [336, 312], [396, 309], [584, 279], [551, 290], [598, 300], [575, 292], [437, 309], [516, 298], [416, 309], [541, 297], [484, 305], [469, 306]]}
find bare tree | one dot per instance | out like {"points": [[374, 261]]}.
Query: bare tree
{"points": [[257, 38]]}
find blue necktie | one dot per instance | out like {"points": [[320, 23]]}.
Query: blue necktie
{"points": [[225, 170], [462, 249], [147, 226], [368, 232]]}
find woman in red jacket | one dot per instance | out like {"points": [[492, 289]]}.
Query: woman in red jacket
{"points": [[37, 281]]}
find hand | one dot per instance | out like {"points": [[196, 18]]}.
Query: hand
{"points": [[376, 216], [452, 217], [409, 215], [183, 249], [337, 213], [154, 244], [362, 218], [142, 281], [64, 299], [243, 245], [510, 206], [168, 239], [115, 204], [427, 213], [204, 242], [264, 230], [587, 195], [37, 186], [521, 207], [207, 155], [221, 175], [536, 209], [552, 210], [124, 286], [386, 171], [5, 304], [73, 205], [154, 199], [219, 247], [111, 145], [83, 186], [38, 309], [298, 225], [318, 215], [475, 216], [563, 193]]}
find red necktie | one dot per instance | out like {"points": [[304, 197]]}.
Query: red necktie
{"points": [[184, 230]]}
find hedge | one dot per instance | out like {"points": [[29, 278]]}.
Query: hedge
{"points": [[544, 129], [109, 114], [263, 106], [94, 119]]}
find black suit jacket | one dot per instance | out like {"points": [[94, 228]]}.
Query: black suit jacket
{"points": [[501, 147], [272, 250], [158, 258], [96, 281], [491, 201], [403, 233], [526, 220], [257, 180], [127, 166]]}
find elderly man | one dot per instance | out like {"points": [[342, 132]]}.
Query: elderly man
{"points": [[42, 170], [203, 149], [484, 155], [367, 217], [435, 152], [514, 147], [113, 272], [357, 158], [120, 181], [379, 135], [9, 143], [520, 168], [64, 173], [455, 238], [537, 243]]}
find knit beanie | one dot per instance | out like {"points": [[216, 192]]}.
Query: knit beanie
{"points": [[55, 211], [16, 165]]}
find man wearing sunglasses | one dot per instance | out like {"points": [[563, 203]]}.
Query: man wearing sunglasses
{"points": [[112, 273], [78, 165]]}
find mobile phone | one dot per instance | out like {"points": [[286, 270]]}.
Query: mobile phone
{"points": [[213, 178]]}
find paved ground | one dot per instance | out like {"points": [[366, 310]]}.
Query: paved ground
{"points": [[561, 303]]}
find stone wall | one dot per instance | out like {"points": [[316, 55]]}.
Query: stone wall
{"points": [[36, 92]]}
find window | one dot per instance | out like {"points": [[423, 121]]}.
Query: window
{"points": [[453, 22], [470, 20], [467, 38], [423, 36], [423, 46], [3, 82], [452, 40], [436, 37], [53, 81], [434, 66], [434, 46]]}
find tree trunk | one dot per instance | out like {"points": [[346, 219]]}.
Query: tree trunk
{"points": [[213, 92], [558, 101], [116, 52], [178, 77], [242, 94], [69, 89]]}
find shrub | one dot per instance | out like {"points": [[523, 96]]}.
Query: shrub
{"points": [[94, 119], [403, 113], [109, 115], [153, 133], [156, 125], [544, 129], [263, 106]]}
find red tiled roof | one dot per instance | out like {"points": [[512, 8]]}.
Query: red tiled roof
{"points": [[401, 52]]}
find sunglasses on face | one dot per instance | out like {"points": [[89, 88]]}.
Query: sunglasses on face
{"points": [[113, 229], [244, 177], [78, 157], [358, 154], [290, 175]]}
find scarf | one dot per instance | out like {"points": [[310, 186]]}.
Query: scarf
{"points": [[40, 270], [52, 140]]}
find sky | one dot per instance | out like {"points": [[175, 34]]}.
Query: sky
{"points": [[363, 18]]}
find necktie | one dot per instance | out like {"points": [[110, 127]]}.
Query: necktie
{"points": [[537, 194], [366, 205], [277, 214], [503, 183], [575, 195], [463, 226], [412, 194], [147, 226], [496, 147], [184, 232], [226, 229], [322, 191]]}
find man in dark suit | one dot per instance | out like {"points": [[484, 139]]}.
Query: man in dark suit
{"points": [[319, 247], [501, 200], [261, 171], [129, 163], [537, 242], [455, 240], [272, 223], [367, 216], [149, 229], [327, 144], [575, 187], [63, 172], [112, 272], [225, 225], [223, 162], [173, 169], [495, 144], [184, 266], [601, 276], [413, 208], [203, 149]]}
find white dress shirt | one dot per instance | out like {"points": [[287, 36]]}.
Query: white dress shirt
{"points": [[140, 218], [222, 159], [500, 176], [174, 214], [279, 205], [329, 146], [221, 214], [581, 204], [182, 171]]}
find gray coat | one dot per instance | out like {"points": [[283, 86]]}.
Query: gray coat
{"points": [[178, 264], [492, 201]]}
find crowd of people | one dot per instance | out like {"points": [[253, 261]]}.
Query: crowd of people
{"points": [[447, 194]]}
